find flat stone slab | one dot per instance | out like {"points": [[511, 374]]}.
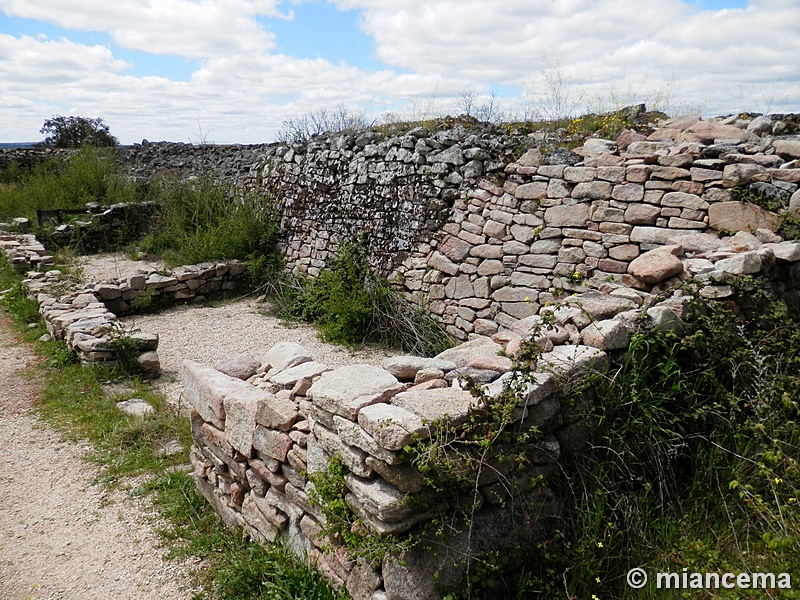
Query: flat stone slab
{"points": [[383, 501], [568, 361], [392, 426], [444, 404], [242, 366], [346, 390], [405, 368], [306, 370], [788, 251], [284, 355], [462, 354], [205, 389]]}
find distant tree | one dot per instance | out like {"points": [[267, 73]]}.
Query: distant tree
{"points": [[74, 132]]}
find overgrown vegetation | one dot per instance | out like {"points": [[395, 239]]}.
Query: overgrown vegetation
{"points": [[202, 221], [351, 304], [80, 402], [65, 182], [694, 463]]}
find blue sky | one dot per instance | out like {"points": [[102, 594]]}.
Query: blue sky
{"points": [[240, 68]]}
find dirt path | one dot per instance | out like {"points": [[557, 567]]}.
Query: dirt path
{"points": [[61, 537]]}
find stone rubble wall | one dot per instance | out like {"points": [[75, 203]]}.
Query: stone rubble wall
{"points": [[261, 425], [511, 247], [483, 226], [104, 226]]}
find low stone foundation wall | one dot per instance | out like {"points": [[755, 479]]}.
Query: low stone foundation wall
{"points": [[101, 227], [85, 316]]}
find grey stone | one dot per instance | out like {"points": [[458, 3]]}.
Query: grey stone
{"points": [[448, 405], [606, 335], [136, 407], [284, 355], [598, 306], [308, 370], [383, 501], [149, 363], [390, 425], [746, 263], [568, 361], [242, 366], [330, 443], [788, 251], [205, 389], [462, 354], [594, 190]]}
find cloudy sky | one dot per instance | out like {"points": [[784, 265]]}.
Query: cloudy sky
{"points": [[231, 71]]}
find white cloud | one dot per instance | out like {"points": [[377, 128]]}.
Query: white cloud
{"points": [[666, 51], [194, 29]]}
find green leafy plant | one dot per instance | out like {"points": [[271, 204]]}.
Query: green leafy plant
{"points": [[351, 304], [693, 460]]}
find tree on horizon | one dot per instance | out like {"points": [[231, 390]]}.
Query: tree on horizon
{"points": [[74, 132]]}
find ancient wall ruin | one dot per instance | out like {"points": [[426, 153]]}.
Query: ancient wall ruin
{"points": [[507, 240]]}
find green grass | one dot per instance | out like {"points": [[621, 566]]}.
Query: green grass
{"points": [[87, 175], [350, 304], [76, 403], [203, 221]]}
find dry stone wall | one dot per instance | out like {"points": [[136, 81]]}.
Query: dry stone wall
{"points": [[636, 213], [508, 242], [257, 440], [262, 426], [85, 315], [482, 227]]}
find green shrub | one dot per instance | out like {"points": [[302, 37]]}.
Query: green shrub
{"points": [[351, 304], [694, 460]]}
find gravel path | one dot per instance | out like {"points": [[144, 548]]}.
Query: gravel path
{"points": [[213, 334], [61, 536]]}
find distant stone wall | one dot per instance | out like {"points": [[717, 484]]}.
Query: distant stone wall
{"points": [[27, 158]]}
